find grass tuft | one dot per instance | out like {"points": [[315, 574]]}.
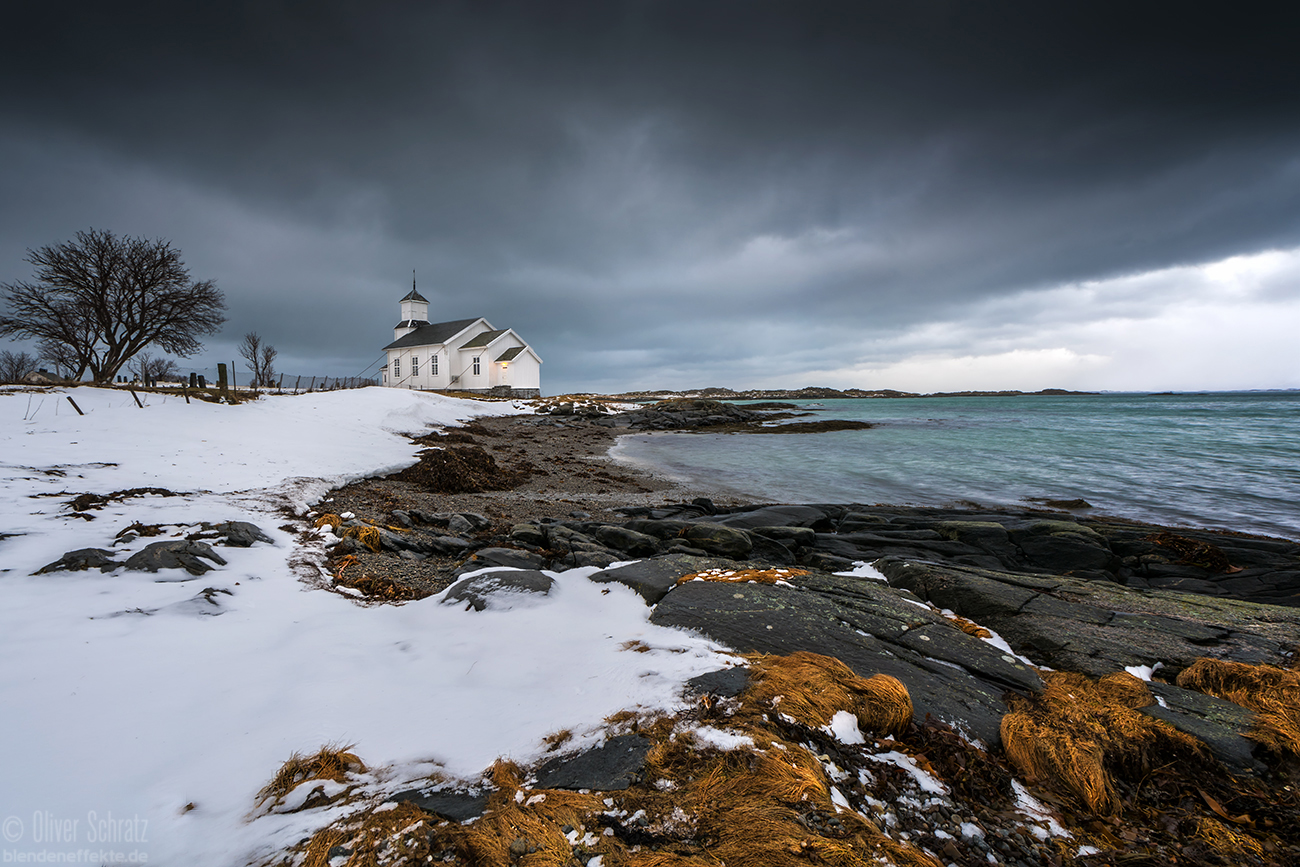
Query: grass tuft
{"points": [[330, 762], [812, 688]]}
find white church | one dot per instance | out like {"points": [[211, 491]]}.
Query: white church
{"points": [[464, 355]]}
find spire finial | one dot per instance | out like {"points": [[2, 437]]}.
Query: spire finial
{"points": [[412, 279]]}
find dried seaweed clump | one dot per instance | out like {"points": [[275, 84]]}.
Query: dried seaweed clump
{"points": [[460, 470], [758, 576], [1194, 553], [1272, 693], [1078, 731], [812, 688]]}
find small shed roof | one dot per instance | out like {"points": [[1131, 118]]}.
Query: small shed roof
{"points": [[510, 354], [484, 339]]}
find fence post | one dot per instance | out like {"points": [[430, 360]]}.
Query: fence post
{"points": [[221, 378]]}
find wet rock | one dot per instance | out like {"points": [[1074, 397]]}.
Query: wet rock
{"points": [[80, 560], [496, 587], [175, 554], [528, 534], [611, 767], [777, 516]]}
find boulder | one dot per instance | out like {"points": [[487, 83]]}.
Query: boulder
{"points": [[724, 683], [496, 588], [628, 541], [715, 539], [512, 557], [242, 534], [777, 516]]}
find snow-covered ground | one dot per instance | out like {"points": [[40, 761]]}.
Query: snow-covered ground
{"points": [[122, 702]]}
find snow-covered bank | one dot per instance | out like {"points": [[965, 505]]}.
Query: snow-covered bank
{"points": [[124, 702]]}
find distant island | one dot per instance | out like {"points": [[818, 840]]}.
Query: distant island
{"points": [[816, 393]]}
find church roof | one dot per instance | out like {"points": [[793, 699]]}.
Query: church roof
{"points": [[510, 354], [483, 339], [433, 334], [415, 296]]}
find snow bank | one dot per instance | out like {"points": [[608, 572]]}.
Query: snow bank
{"points": [[126, 700]]}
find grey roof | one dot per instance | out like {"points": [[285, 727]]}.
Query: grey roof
{"points": [[428, 335], [509, 354], [415, 296], [484, 339]]}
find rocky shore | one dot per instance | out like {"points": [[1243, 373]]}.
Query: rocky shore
{"points": [[994, 620]]}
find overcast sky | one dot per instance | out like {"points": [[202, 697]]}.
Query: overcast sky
{"points": [[913, 195]]}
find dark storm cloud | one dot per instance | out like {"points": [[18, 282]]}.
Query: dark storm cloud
{"points": [[651, 187]]}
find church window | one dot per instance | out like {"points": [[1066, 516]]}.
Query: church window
{"points": [[397, 368], [415, 365], [433, 365], [477, 369]]}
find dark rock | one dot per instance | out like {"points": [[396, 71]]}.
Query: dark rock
{"points": [[1221, 724], [479, 590], [611, 767], [777, 516], [512, 557], [175, 554], [241, 534], [857, 621], [81, 559], [529, 534], [652, 579], [456, 806], [628, 541], [725, 682], [428, 543], [720, 540]]}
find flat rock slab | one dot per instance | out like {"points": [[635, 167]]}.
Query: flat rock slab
{"points": [[495, 588], [775, 516], [781, 620], [613, 766], [81, 559], [725, 682], [1099, 627], [175, 554], [456, 806], [653, 578]]}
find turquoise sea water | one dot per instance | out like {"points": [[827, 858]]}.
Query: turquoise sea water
{"points": [[1222, 460]]}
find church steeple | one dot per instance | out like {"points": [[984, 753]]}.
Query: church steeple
{"points": [[415, 312]]}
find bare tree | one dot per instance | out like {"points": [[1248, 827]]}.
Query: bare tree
{"points": [[16, 365], [99, 300], [146, 367], [261, 359]]}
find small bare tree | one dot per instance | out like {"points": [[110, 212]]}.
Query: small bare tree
{"points": [[261, 359], [14, 366], [147, 368], [100, 299]]}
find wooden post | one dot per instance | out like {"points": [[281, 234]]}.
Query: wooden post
{"points": [[137, 398], [74, 405], [233, 383], [296, 384], [221, 378], [311, 384]]}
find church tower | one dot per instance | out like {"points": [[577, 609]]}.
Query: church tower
{"points": [[415, 312]]}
